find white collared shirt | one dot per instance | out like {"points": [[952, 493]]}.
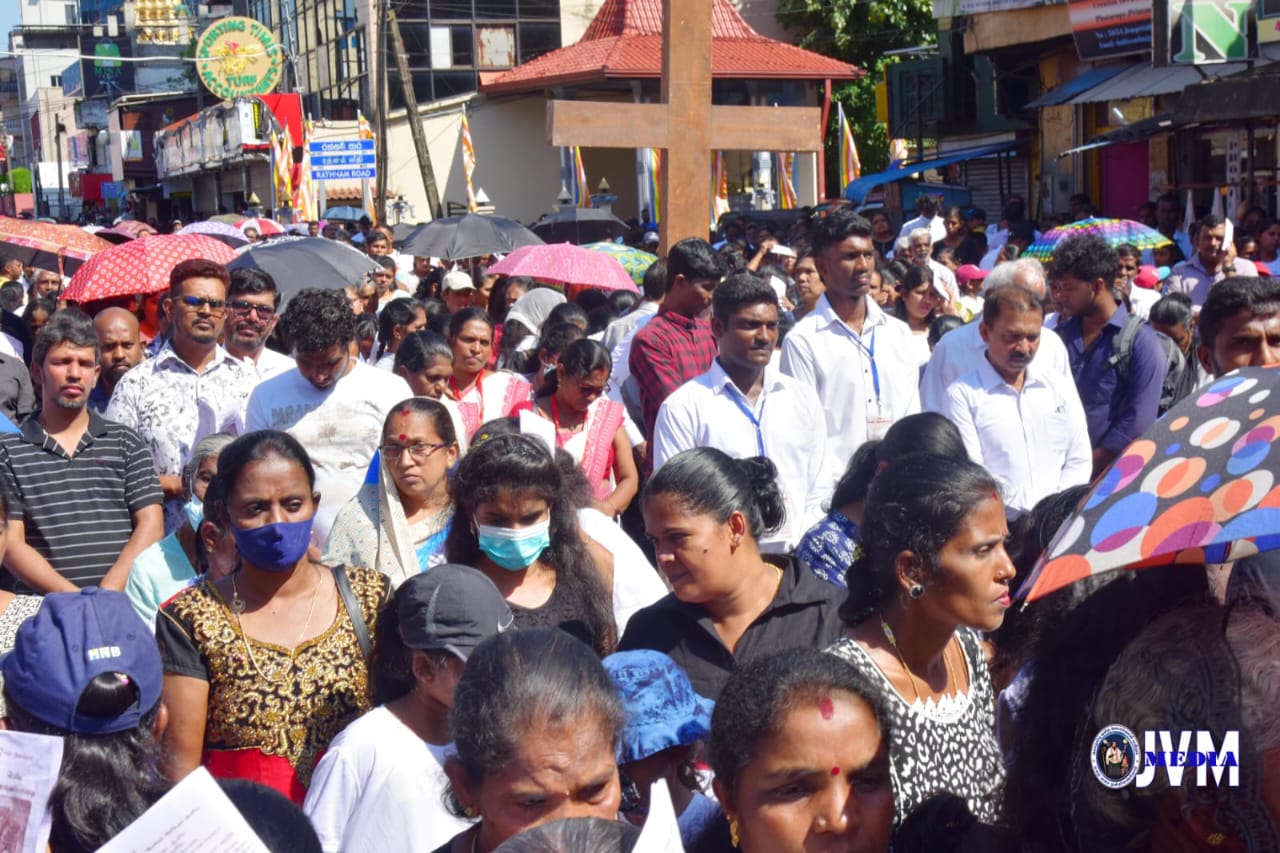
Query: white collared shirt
{"points": [[937, 228], [1034, 442], [963, 349], [270, 363], [710, 411], [827, 355]]}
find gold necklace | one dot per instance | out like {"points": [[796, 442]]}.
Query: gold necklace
{"points": [[236, 600], [888, 635]]}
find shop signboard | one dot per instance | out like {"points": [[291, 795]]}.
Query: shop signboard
{"points": [[1268, 21], [1199, 32], [238, 57], [1107, 28]]}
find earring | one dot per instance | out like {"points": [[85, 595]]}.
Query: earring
{"points": [[733, 831], [469, 812], [915, 590]]}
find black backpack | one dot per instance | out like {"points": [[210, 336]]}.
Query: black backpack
{"points": [[1172, 391]]}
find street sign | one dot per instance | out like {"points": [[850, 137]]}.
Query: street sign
{"points": [[342, 161], [341, 146], [357, 173]]}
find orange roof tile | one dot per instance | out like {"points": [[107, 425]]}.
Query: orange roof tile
{"points": [[624, 41]]}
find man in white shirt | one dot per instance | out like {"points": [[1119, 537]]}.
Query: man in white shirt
{"points": [[330, 402], [927, 208], [861, 361], [746, 407], [1022, 423], [960, 351], [921, 251], [253, 305]]}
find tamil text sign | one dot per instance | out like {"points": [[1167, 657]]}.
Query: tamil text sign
{"points": [[343, 159]]}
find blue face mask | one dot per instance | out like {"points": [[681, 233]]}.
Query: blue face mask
{"points": [[514, 549], [273, 547], [195, 512]]}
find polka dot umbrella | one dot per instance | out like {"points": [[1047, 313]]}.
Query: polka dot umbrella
{"points": [[61, 248], [1201, 486], [141, 265], [1114, 231]]}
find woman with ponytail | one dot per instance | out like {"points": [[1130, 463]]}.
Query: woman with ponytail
{"points": [[931, 572], [705, 512]]}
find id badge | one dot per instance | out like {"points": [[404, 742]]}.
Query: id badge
{"points": [[877, 427]]}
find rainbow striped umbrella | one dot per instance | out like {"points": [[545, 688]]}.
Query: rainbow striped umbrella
{"points": [[1114, 231]]}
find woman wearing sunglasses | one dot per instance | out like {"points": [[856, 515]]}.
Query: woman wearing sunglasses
{"points": [[399, 523]]}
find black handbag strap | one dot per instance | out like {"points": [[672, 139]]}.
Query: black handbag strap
{"points": [[353, 610]]}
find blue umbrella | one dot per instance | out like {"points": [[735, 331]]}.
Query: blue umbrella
{"points": [[345, 214]]}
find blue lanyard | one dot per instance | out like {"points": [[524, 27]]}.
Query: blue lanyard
{"points": [[751, 416], [871, 354]]}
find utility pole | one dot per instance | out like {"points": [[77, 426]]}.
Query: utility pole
{"points": [[384, 104], [411, 114]]}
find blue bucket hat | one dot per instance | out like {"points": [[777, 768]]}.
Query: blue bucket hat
{"points": [[73, 638], [663, 711]]}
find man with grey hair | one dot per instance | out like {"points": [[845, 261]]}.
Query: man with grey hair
{"points": [[920, 253], [961, 351]]}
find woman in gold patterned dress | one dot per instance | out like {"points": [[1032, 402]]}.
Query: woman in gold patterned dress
{"points": [[265, 666]]}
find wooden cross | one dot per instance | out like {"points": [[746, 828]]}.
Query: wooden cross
{"points": [[684, 125]]}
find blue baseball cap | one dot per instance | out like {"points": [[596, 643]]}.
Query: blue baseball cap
{"points": [[73, 638], [663, 711]]}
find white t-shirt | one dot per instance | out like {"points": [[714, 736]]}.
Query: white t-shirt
{"points": [[269, 364], [380, 789], [340, 427], [636, 582]]}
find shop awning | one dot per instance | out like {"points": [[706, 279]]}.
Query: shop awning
{"points": [[1067, 91], [857, 190], [1245, 97], [1144, 81], [1144, 129]]}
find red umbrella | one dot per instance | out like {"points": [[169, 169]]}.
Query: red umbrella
{"points": [[41, 244], [265, 227], [141, 266], [566, 264]]}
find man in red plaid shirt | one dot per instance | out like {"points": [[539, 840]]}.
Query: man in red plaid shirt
{"points": [[677, 345]]}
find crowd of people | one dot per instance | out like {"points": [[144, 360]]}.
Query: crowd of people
{"points": [[451, 561]]}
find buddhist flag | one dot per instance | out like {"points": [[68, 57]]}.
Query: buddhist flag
{"points": [[650, 164], [304, 194], [787, 198], [282, 151], [581, 189], [365, 130], [898, 152], [850, 165], [719, 188], [468, 163]]}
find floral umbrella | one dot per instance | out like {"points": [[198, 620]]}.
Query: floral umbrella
{"points": [[1114, 231], [227, 233], [141, 266], [635, 261], [62, 248], [1201, 486]]}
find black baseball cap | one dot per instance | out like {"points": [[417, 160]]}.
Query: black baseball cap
{"points": [[450, 607]]}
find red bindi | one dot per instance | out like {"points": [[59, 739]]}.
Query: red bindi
{"points": [[403, 437], [405, 411], [835, 771], [827, 707]]}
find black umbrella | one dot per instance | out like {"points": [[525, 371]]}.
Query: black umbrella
{"points": [[401, 230], [468, 236], [301, 262], [580, 225]]}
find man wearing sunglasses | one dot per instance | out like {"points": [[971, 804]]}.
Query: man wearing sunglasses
{"points": [[253, 306], [192, 388]]}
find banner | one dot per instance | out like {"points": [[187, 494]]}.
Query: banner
{"points": [[468, 163], [107, 74], [581, 189], [787, 198], [719, 188], [1106, 28], [850, 165]]}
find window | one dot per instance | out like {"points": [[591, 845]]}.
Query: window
{"points": [[56, 81]]}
